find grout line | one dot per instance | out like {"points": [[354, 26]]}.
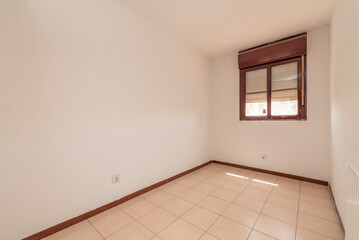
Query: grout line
{"points": [[261, 209], [296, 224], [96, 229]]}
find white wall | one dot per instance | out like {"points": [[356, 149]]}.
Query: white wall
{"points": [[296, 147], [344, 96], [88, 89]]}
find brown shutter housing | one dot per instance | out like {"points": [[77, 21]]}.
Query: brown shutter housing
{"points": [[275, 51]]}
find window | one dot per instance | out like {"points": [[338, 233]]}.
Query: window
{"points": [[273, 89]]}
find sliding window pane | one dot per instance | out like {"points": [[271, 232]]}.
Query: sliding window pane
{"points": [[256, 92], [285, 89]]}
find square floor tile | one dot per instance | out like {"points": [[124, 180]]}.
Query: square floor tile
{"points": [[110, 221], [181, 230], [68, 230], [283, 201], [224, 194], [133, 231], [250, 202], [235, 187], [214, 204], [187, 182], [303, 234], [226, 229], [259, 236], [138, 208], [192, 196], [86, 232], [275, 228], [207, 236], [159, 197], [315, 190], [174, 189], [157, 220], [281, 213], [322, 201], [262, 185], [318, 211], [215, 181], [255, 193], [292, 194], [242, 215], [177, 206], [318, 225], [200, 217], [205, 187]]}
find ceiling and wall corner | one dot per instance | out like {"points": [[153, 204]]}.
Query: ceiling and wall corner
{"points": [[219, 27]]}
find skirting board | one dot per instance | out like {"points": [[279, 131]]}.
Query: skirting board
{"points": [[321, 182], [72, 221]]}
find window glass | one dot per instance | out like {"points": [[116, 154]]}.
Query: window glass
{"points": [[284, 92], [256, 92]]}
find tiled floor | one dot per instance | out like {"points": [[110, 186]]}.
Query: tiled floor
{"points": [[218, 203]]}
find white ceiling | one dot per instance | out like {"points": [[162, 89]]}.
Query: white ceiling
{"points": [[217, 27]]}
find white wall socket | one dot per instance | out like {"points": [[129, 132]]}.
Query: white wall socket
{"points": [[116, 178]]}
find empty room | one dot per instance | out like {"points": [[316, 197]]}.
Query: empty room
{"points": [[179, 120]]}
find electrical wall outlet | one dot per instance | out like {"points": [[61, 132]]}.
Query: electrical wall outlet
{"points": [[116, 178], [263, 156]]}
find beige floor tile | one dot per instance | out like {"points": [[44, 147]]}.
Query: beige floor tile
{"points": [[242, 215], [322, 192], [156, 238], [275, 228], [214, 204], [266, 177], [281, 213], [322, 201], [86, 232], [177, 206], [174, 189], [303, 234], [68, 230], [207, 236], [262, 186], [129, 202], [240, 179], [187, 182], [288, 185], [159, 197], [133, 231], [198, 177], [250, 202], [247, 173], [288, 180], [283, 201], [138, 208], [318, 225], [255, 193], [225, 194], [157, 220], [192, 196], [110, 221], [286, 192], [205, 187], [181, 230], [226, 229], [318, 211], [216, 181], [259, 236], [235, 187], [200, 217]]}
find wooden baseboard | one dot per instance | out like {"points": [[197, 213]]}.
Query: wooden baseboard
{"points": [[72, 221], [273, 173], [336, 209]]}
